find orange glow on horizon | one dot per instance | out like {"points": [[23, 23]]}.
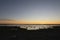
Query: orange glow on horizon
{"points": [[29, 22]]}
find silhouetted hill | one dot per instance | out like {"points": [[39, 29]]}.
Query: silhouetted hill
{"points": [[16, 33], [8, 32]]}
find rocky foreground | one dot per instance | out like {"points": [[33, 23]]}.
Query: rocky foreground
{"points": [[17, 33]]}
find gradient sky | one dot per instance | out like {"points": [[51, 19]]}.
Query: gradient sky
{"points": [[30, 11]]}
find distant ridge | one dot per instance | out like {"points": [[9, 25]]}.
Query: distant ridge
{"points": [[33, 26], [29, 24]]}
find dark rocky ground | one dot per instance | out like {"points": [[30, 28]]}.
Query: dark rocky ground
{"points": [[15, 33]]}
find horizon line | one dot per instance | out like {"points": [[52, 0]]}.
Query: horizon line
{"points": [[29, 24]]}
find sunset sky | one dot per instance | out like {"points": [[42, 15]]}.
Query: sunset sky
{"points": [[29, 11]]}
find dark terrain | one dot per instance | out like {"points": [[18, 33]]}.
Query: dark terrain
{"points": [[16, 33]]}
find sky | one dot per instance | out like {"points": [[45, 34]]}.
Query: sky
{"points": [[30, 11]]}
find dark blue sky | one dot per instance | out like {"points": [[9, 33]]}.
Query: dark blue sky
{"points": [[30, 10]]}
